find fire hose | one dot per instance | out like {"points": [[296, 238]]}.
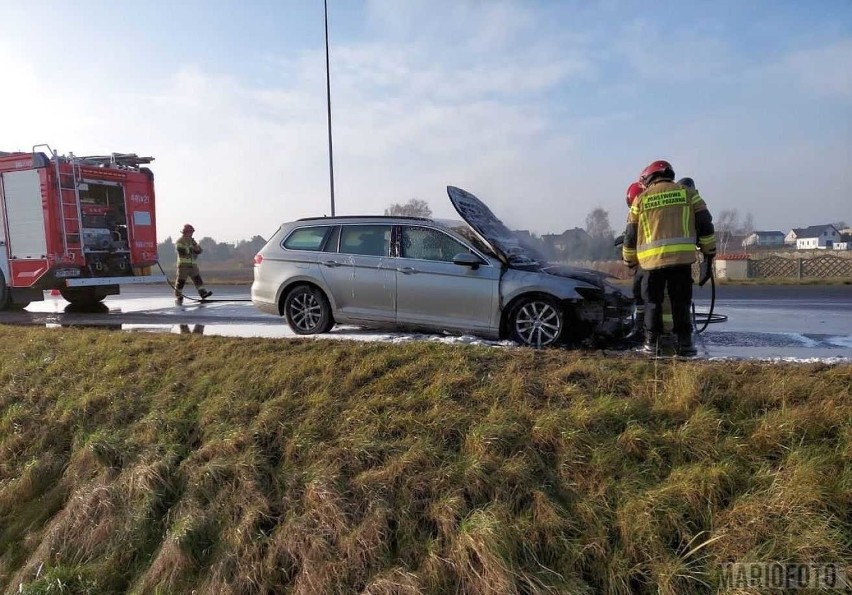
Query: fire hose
{"points": [[708, 317], [199, 300]]}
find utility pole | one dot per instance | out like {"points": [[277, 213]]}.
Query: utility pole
{"points": [[328, 102]]}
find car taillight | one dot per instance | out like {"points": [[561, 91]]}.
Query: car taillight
{"points": [[258, 258]]}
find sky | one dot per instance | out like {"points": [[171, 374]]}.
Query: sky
{"points": [[544, 109]]}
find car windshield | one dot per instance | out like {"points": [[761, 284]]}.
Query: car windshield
{"points": [[465, 231], [518, 255], [518, 250]]}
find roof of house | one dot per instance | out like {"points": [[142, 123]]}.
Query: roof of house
{"points": [[567, 233], [770, 233], [811, 232]]}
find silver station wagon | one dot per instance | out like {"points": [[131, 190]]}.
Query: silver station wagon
{"points": [[419, 274]]}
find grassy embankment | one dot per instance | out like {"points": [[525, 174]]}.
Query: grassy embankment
{"points": [[163, 464]]}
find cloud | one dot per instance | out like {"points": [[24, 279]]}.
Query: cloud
{"points": [[656, 51], [545, 119], [823, 71], [237, 159]]}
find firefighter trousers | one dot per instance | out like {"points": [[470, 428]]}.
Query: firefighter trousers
{"points": [[638, 275], [190, 271], [677, 282]]}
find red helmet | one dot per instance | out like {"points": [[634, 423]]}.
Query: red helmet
{"points": [[187, 229], [634, 190], [657, 170]]}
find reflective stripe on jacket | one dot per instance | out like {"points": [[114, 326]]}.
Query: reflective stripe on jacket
{"points": [[662, 227], [186, 249]]}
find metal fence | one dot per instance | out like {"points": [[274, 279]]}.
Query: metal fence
{"points": [[827, 266], [768, 266]]}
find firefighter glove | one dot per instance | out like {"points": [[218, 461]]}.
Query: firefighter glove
{"points": [[706, 270], [619, 241]]}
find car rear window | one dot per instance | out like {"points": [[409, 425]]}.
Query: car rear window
{"points": [[368, 240], [307, 238]]}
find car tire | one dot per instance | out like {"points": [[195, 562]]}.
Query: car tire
{"points": [[307, 311], [536, 321]]}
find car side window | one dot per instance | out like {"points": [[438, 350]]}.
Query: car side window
{"points": [[367, 240], [424, 243], [306, 238]]}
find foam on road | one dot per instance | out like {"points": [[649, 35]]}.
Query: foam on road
{"points": [[815, 327]]}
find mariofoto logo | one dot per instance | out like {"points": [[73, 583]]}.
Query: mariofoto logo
{"points": [[784, 575]]}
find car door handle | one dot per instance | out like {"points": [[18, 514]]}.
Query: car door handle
{"points": [[331, 263], [407, 270]]}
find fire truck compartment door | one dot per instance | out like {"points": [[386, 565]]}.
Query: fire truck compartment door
{"points": [[24, 214], [4, 248]]}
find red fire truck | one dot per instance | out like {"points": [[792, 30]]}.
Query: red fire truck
{"points": [[82, 225]]}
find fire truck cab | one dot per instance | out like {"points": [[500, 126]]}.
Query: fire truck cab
{"points": [[82, 225]]}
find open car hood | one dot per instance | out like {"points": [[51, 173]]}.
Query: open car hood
{"points": [[492, 231]]}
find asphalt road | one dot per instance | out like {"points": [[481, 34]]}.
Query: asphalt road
{"points": [[765, 322]]}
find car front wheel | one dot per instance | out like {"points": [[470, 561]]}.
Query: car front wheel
{"points": [[536, 322], [307, 311]]}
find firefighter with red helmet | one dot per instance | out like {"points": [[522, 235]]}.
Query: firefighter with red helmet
{"points": [[638, 331], [187, 251], [665, 224]]}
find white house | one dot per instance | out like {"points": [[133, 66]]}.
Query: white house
{"points": [[764, 238], [816, 237], [793, 235]]}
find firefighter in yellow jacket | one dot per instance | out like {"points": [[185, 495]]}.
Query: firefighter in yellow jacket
{"points": [[187, 251], [666, 223]]}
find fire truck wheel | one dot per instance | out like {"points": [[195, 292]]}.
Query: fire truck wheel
{"points": [[82, 296], [307, 311]]}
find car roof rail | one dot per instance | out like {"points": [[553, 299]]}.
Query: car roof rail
{"points": [[365, 217]]}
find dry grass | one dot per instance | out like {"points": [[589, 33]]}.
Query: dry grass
{"points": [[215, 465]]}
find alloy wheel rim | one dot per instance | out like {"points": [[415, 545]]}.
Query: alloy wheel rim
{"points": [[305, 311], [538, 324]]}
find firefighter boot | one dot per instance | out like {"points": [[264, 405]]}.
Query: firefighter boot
{"points": [[204, 293], [179, 291], [651, 346], [686, 346]]}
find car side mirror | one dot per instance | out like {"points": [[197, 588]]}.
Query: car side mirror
{"points": [[466, 259]]}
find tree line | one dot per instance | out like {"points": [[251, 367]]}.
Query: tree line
{"points": [[594, 241], [215, 252]]}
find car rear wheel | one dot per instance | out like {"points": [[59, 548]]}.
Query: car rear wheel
{"points": [[307, 311], [536, 322]]}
